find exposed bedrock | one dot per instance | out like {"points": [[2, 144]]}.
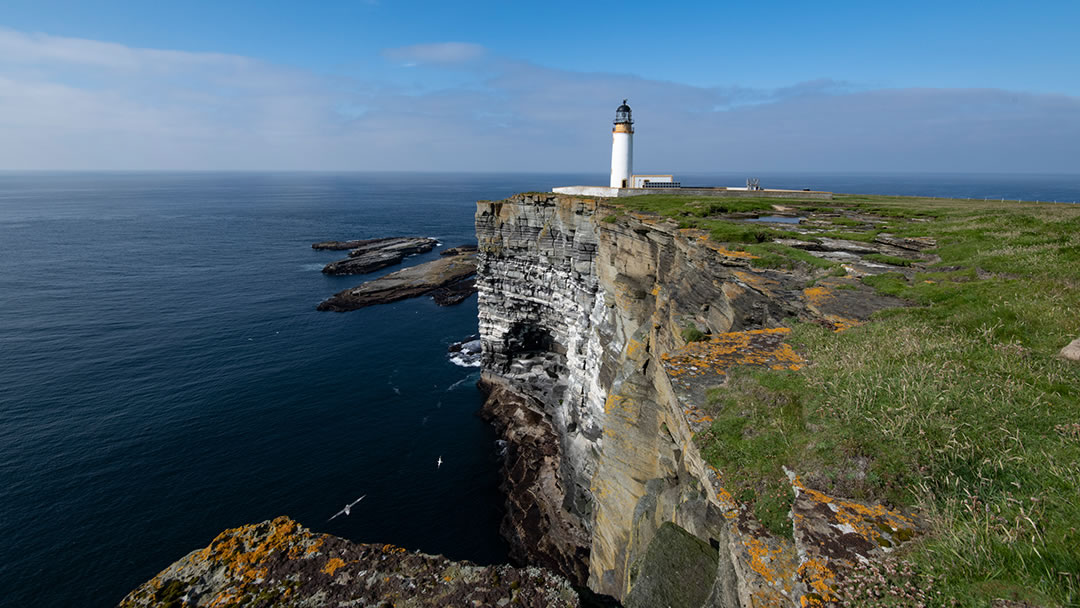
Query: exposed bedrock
{"points": [[449, 280], [281, 564], [373, 254], [575, 315]]}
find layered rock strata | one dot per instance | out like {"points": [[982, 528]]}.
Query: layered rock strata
{"points": [[448, 279], [374, 254], [281, 564], [582, 315]]}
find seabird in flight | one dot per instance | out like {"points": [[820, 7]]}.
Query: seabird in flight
{"points": [[348, 508]]}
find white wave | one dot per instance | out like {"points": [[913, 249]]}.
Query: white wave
{"points": [[470, 377], [465, 360]]}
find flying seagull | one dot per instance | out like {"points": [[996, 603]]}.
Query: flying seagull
{"points": [[438, 463], [348, 508]]}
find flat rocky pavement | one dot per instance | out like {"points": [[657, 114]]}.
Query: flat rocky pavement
{"points": [[448, 279], [374, 254]]}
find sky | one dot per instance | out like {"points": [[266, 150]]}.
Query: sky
{"points": [[373, 85]]}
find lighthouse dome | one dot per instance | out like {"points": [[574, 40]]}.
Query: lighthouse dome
{"points": [[622, 114]]}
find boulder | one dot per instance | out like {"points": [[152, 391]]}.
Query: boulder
{"points": [[1072, 351]]}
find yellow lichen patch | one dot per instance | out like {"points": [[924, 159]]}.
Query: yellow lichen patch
{"points": [[332, 565], [842, 324], [224, 598], [864, 520], [755, 281], [816, 575], [724, 351], [760, 558], [243, 552], [611, 402], [742, 255], [817, 296]]}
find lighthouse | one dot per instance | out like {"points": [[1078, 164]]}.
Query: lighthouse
{"points": [[622, 147]]}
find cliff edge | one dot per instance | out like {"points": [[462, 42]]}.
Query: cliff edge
{"points": [[602, 331]]}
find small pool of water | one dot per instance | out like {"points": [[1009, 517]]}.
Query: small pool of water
{"points": [[777, 219]]}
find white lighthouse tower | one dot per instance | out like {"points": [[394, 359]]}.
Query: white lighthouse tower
{"points": [[622, 147]]}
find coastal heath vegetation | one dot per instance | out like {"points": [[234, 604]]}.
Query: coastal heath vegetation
{"points": [[957, 407]]}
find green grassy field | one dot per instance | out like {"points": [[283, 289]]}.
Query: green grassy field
{"points": [[957, 407]]}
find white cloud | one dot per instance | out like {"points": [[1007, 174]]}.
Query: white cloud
{"points": [[35, 49], [81, 104]]}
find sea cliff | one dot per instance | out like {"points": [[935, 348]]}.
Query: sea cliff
{"points": [[582, 324]]}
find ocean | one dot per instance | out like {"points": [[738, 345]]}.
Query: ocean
{"points": [[164, 374]]}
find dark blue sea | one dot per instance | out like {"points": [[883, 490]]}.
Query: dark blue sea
{"points": [[164, 374]]}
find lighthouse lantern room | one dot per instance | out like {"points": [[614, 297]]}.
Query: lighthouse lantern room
{"points": [[622, 147]]}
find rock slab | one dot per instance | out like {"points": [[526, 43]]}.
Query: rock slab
{"points": [[450, 274], [374, 254], [1072, 351], [677, 570], [279, 564]]}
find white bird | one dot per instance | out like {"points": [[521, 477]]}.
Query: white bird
{"points": [[438, 463], [348, 508]]}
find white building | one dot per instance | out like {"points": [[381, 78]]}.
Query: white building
{"points": [[653, 181]]}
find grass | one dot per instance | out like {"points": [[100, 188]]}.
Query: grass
{"points": [[693, 334], [673, 205], [957, 407], [775, 255], [844, 221]]}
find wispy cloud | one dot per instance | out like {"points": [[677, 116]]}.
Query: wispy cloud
{"points": [[437, 53], [84, 104], [18, 48]]}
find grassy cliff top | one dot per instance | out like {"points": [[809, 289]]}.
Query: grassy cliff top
{"points": [[958, 407]]}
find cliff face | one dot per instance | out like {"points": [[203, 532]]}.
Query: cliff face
{"points": [[582, 312]]}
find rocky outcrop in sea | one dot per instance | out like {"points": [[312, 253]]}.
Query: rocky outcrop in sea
{"points": [[449, 280], [374, 254]]}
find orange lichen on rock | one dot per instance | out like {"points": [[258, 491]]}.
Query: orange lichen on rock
{"points": [[817, 296], [332, 565], [817, 577], [842, 324], [755, 281], [760, 558], [242, 559], [868, 521], [759, 347]]}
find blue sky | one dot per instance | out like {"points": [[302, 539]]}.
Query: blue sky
{"points": [[505, 86]]}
